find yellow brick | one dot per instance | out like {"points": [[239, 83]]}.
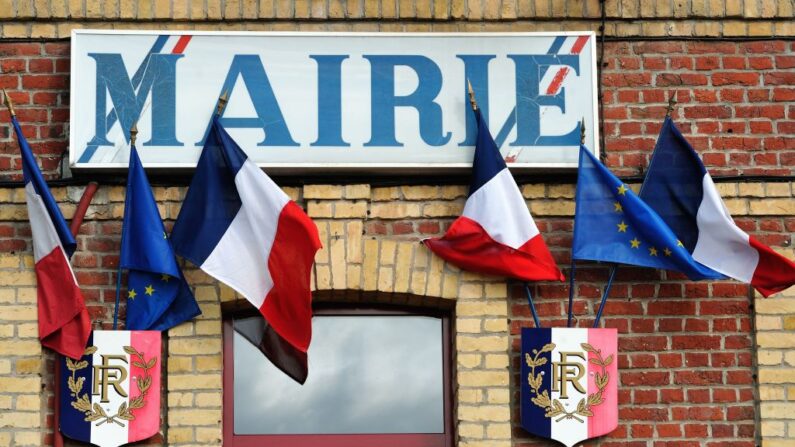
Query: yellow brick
{"points": [[209, 399], [776, 339], [777, 410], [194, 417], [498, 431], [420, 192], [212, 327], [27, 365], [176, 363], [19, 384], [388, 249], [189, 346], [498, 396], [17, 313], [468, 325], [177, 435], [302, 9], [489, 343], [208, 435], [446, 209], [18, 419], [775, 306], [179, 382], [5, 404], [403, 267], [496, 325], [766, 323], [552, 208], [319, 209], [734, 28], [344, 209], [322, 277], [27, 438], [481, 308], [778, 190], [773, 428], [337, 253], [760, 29], [28, 402], [394, 210], [450, 286], [470, 430], [370, 266], [386, 279], [385, 194], [469, 360], [323, 192], [737, 206], [773, 207], [533, 191], [776, 375], [357, 191], [561, 191], [766, 357], [495, 413], [496, 361]]}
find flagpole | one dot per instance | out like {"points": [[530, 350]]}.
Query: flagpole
{"points": [[573, 266], [668, 111], [133, 135], [532, 306]]}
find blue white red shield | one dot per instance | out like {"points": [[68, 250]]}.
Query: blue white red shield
{"points": [[111, 396], [569, 383]]}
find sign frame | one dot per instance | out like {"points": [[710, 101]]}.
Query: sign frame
{"points": [[421, 168]]}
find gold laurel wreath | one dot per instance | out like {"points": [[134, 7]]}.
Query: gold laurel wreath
{"points": [[95, 412], [553, 408]]}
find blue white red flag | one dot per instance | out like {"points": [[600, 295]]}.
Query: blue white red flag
{"points": [[64, 323], [110, 396], [237, 225], [682, 192], [158, 297], [496, 234], [613, 224], [569, 383]]}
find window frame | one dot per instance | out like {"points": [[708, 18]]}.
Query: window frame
{"points": [[445, 439]]}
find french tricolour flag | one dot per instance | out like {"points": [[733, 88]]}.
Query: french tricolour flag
{"points": [[237, 225], [64, 323], [681, 190], [496, 234]]}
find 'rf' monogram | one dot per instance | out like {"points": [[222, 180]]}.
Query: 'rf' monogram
{"points": [[106, 374], [565, 371]]}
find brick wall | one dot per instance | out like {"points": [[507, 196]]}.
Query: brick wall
{"points": [[735, 102], [55, 18], [688, 350]]}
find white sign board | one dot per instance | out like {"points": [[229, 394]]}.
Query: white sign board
{"points": [[304, 101]]}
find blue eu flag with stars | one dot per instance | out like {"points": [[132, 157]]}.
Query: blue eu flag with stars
{"points": [[158, 298], [613, 224]]}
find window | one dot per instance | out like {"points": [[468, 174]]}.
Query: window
{"points": [[377, 378]]}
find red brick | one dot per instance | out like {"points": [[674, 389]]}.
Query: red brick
{"points": [[734, 78]]}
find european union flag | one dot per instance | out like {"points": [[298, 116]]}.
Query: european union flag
{"points": [[158, 298], [613, 224]]}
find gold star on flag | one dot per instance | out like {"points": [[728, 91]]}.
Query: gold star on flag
{"points": [[623, 189], [149, 290], [618, 207], [652, 251], [635, 243], [131, 294], [667, 251], [622, 227], [164, 277], [679, 243]]}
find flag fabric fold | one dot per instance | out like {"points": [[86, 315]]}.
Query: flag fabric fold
{"points": [[158, 297], [64, 323], [681, 191], [495, 234], [238, 226], [613, 224]]}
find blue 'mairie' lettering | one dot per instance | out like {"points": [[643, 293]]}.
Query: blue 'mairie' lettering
{"points": [[159, 78], [383, 100], [329, 102], [269, 116]]}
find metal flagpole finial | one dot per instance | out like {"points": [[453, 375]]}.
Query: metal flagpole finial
{"points": [[582, 131], [133, 133], [222, 100], [9, 103], [671, 103], [471, 96]]}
